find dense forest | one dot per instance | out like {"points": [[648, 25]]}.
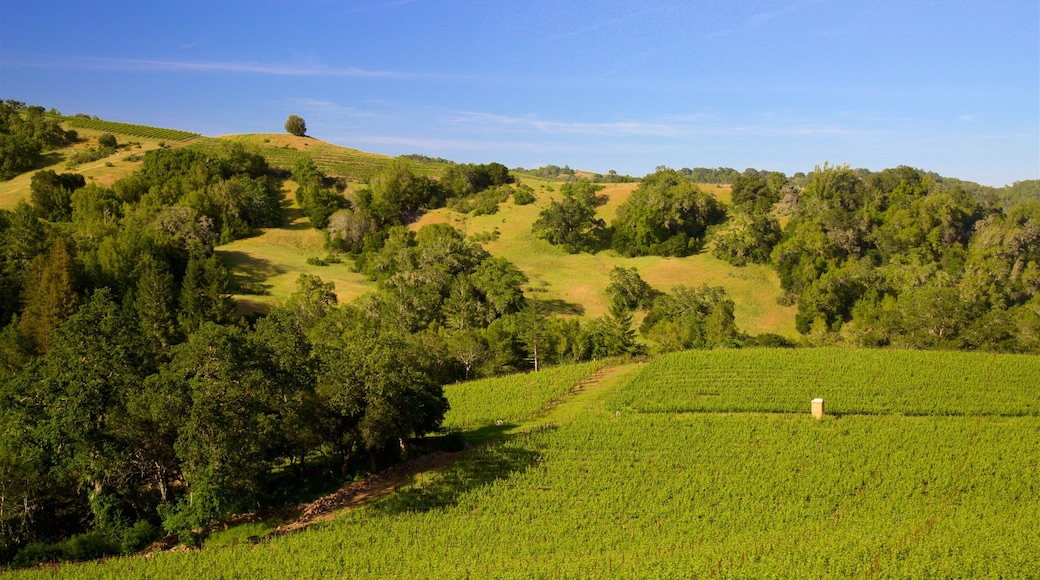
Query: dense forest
{"points": [[137, 403]]}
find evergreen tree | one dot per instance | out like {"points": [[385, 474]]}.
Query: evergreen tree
{"points": [[50, 295], [204, 294]]}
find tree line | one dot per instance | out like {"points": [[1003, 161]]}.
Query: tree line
{"points": [[873, 259], [26, 132]]}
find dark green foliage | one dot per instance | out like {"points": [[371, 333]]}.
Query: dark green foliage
{"points": [[438, 277], [395, 192], [550, 172], [629, 290], [25, 133], [745, 238], [374, 387], [710, 175], [465, 180], [897, 258], [107, 140], [755, 192], [49, 295], [691, 318], [486, 202], [572, 222], [523, 195], [51, 194], [295, 125], [204, 294], [666, 216]]}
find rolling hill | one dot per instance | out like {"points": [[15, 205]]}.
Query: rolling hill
{"points": [[265, 267]]}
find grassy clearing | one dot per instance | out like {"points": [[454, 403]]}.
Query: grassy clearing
{"points": [[264, 268], [576, 283]]}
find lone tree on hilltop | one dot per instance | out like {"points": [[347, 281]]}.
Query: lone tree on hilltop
{"points": [[296, 125]]}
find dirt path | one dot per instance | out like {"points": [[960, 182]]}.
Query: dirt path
{"points": [[360, 492], [586, 393]]}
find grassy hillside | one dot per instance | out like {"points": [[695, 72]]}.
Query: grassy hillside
{"points": [[103, 171], [282, 150], [603, 486], [265, 267], [577, 282]]}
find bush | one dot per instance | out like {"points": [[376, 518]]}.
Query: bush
{"points": [[88, 546], [108, 141], [523, 195]]}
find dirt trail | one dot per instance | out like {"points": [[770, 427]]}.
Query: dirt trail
{"points": [[387, 481], [360, 492]]}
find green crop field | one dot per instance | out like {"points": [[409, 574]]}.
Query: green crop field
{"points": [[129, 129], [703, 465], [513, 397]]}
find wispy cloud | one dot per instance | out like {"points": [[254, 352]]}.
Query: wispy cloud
{"points": [[337, 110], [188, 66], [378, 6], [596, 26], [679, 127], [193, 44]]}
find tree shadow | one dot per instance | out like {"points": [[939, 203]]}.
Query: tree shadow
{"points": [[598, 241], [480, 466], [559, 306], [249, 274], [49, 159], [293, 218]]}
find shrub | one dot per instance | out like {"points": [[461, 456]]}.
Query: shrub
{"points": [[108, 141]]}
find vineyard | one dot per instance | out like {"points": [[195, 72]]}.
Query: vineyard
{"points": [[863, 382], [129, 129], [511, 398], [703, 465]]}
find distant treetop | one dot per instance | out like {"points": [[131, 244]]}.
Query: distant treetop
{"points": [[296, 125]]}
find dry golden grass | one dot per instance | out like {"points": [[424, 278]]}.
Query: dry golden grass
{"points": [[103, 171], [576, 283]]}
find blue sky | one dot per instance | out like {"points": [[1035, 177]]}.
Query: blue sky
{"points": [[949, 86]]}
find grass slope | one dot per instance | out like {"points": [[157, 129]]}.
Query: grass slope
{"points": [[604, 489], [265, 267], [576, 283], [282, 150], [103, 171]]}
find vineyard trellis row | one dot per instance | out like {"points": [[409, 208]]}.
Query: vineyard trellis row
{"points": [[130, 129]]}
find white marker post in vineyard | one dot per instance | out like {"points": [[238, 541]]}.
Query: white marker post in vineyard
{"points": [[817, 408]]}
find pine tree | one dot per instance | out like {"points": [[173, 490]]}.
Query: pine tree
{"points": [[50, 295], [154, 304]]}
